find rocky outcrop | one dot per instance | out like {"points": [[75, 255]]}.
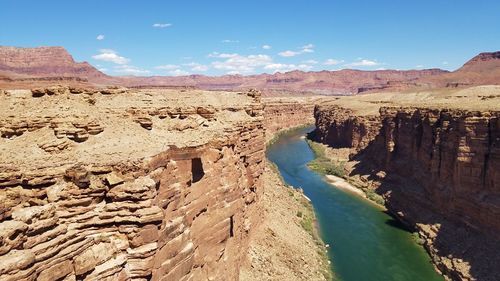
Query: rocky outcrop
{"points": [[45, 62], [340, 128], [283, 115], [438, 170], [454, 156], [132, 193]]}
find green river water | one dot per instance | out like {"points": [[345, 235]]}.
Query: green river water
{"points": [[365, 243]]}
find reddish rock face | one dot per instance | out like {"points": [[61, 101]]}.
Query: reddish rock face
{"points": [[341, 128], [108, 198], [441, 172], [280, 116], [40, 66], [45, 62], [453, 154]]}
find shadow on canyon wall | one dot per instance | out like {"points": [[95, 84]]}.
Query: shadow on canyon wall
{"points": [[461, 250]]}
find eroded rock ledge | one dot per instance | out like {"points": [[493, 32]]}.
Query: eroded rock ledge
{"points": [[143, 185], [438, 169]]}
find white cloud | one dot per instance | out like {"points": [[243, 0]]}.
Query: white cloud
{"points": [[445, 63], [241, 64], [178, 72], [332, 62], [223, 55], [289, 53], [162, 25], [167, 67], [419, 66], [309, 48], [363, 62], [100, 37], [196, 67], [110, 56], [230, 41], [266, 47], [310, 62], [129, 69], [280, 67], [102, 69]]}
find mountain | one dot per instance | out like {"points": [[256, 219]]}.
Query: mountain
{"points": [[25, 67], [46, 64], [483, 69], [322, 82]]}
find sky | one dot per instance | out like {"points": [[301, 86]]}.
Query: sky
{"points": [[220, 37]]}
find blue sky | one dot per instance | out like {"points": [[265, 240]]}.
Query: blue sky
{"points": [[249, 37]]}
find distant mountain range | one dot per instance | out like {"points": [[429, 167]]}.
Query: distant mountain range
{"points": [[30, 67]]}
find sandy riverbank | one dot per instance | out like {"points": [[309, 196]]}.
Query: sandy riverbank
{"points": [[343, 184]]}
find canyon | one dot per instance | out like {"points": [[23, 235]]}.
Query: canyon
{"points": [[165, 178], [436, 163], [121, 184]]}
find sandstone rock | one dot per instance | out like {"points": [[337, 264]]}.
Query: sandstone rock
{"points": [[92, 257], [33, 214], [79, 176], [11, 235], [56, 272], [16, 260], [114, 179], [145, 122], [111, 206], [436, 167]]}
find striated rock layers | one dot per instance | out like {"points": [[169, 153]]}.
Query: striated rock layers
{"points": [[150, 185], [439, 170], [36, 65], [341, 128], [282, 115], [22, 67]]}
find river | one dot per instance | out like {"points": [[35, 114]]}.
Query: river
{"points": [[365, 243]]}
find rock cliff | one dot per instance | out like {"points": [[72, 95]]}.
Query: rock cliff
{"points": [[120, 185], [45, 63], [286, 114], [439, 171]]}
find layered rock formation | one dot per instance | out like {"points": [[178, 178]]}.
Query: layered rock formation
{"points": [[144, 185], [438, 170], [341, 128], [45, 64], [285, 114]]}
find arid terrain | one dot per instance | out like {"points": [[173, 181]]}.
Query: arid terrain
{"points": [[21, 67], [113, 184], [433, 156], [165, 178]]}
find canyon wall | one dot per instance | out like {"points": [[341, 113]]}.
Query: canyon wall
{"points": [[128, 186], [282, 115], [439, 171], [341, 128]]}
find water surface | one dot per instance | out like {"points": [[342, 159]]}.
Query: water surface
{"points": [[365, 243]]}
